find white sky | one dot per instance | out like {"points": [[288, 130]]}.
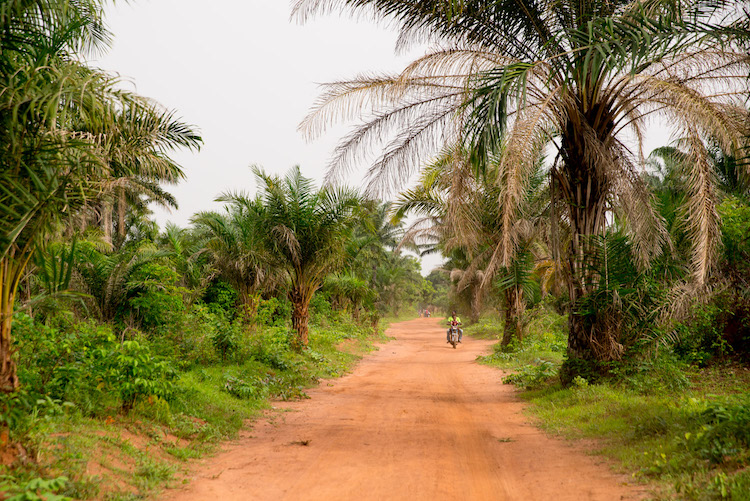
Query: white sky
{"points": [[245, 75]]}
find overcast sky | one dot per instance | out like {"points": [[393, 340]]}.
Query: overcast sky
{"points": [[245, 76]]}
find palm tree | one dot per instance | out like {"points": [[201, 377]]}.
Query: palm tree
{"points": [[583, 77], [109, 277], [463, 203], [139, 162], [305, 230], [191, 262], [41, 162], [237, 245], [347, 290], [57, 120]]}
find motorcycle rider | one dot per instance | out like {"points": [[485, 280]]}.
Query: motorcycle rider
{"points": [[456, 319]]}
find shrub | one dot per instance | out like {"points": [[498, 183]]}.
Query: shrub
{"points": [[154, 296], [651, 375], [134, 372], [724, 431], [271, 347], [226, 340], [53, 361], [88, 366], [241, 389], [220, 296], [701, 338], [273, 311], [321, 312], [193, 338], [532, 376], [36, 489]]}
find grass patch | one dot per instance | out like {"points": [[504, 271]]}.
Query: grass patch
{"points": [[532, 361], [689, 444], [683, 430]]}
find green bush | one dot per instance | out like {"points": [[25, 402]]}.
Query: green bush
{"points": [[220, 296], [321, 312], [724, 431], [193, 339], [651, 375], [273, 311], [226, 340], [60, 363], [132, 370], [700, 338], [15, 410], [36, 489], [154, 296], [243, 390], [271, 346], [532, 376], [87, 365]]}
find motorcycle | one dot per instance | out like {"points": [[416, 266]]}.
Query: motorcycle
{"points": [[453, 337]]}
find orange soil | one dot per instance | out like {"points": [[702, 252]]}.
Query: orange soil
{"points": [[416, 420]]}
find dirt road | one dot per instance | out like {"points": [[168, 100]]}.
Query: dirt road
{"points": [[417, 420]]}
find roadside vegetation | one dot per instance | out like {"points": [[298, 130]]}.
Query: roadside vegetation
{"points": [[678, 426], [136, 355], [617, 285], [615, 280], [97, 418]]}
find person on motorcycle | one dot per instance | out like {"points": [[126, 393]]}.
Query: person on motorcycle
{"points": [[456, 319]]}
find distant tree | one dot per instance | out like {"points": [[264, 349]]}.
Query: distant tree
{"points": [[238, 248], [306, 230]]}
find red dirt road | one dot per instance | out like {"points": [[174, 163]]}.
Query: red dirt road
{"points": [[416, 420]]}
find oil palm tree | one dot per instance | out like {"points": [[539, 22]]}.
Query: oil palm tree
{"points": [[305, 230], [462, 201], [582, 77], [139, 141], [235, 240]]}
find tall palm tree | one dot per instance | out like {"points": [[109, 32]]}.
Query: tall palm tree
{"points": [[306, 230], [463, 202], [583, 77], [139, 162]]}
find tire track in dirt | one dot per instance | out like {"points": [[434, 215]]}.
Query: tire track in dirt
{"points": [[416, 420]]}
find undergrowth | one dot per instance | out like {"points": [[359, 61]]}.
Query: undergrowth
{"points": [[102, 417]]}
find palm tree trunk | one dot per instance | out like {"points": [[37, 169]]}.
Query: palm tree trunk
{"points": [[8, 376], [508, 327], [107, 221], [249, 301], [11, 270], [513, 310], [476, 302], [584, 189], [555, 222], [300, 317], [121, 210]]}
